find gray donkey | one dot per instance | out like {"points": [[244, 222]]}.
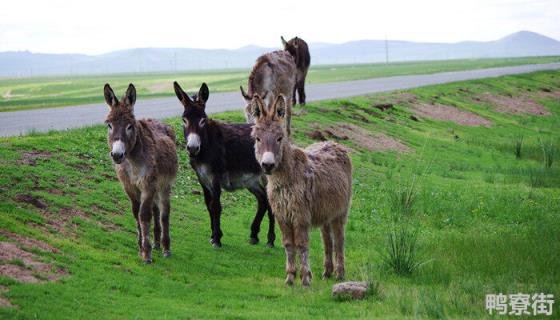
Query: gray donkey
{"points": [[145, 159]]}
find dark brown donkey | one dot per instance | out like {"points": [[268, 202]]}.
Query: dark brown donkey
{"points": [[300, 51], [146, 163], [223, 156]]}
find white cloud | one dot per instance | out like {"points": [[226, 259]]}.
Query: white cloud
{"points": [[101, 26]]}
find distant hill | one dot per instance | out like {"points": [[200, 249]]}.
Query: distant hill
{"points": [[25, 63]]}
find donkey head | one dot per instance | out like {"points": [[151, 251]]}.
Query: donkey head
{"points": [[269, 133], [291, 46], [121, 123], [194, 117], [250, 108]]}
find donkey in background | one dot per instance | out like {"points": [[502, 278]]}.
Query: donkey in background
{"points": [[300, 51], [307, 188], [223, 156], [273, 74], [145, 159]]}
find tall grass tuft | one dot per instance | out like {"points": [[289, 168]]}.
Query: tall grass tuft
{"points": [[549, 151], [401, 254], [402, 199], [517, 144]]}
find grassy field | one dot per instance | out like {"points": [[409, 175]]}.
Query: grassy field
{"points": [[480, 214], [32, 93]]}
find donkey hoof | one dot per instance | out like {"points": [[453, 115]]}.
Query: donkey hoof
{"points": [[290, 279], [327, 275], [215, 243], [166, 253], [147, 261], [253, 241], [156, 246]]}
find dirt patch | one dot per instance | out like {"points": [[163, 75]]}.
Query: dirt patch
{"points": [[30, 158], [514, 105], [8, 95], [361, 137], [24, 266], [27, 198], [547, 93], [448, 113], [299, 112], [401, 98], [159, 87], [28, 242]]}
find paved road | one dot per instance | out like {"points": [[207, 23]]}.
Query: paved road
{"points": [[21, 122]]}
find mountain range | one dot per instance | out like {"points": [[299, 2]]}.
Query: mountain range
{"points": [[25, 63]]}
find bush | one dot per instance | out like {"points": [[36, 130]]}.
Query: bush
{"points": [[517, 144], [549, 150], [401, 254]]}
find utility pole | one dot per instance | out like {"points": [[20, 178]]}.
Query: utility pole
{"points": [[386, 50]]}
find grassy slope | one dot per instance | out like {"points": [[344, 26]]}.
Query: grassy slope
{"points": [[488, 223], [35, 93]]}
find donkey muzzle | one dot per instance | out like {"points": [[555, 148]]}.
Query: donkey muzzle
{"points": [[118, 151], [268, 162]]}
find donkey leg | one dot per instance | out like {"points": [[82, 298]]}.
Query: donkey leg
{"points": [[301, 237], [208, 200], [289, 247], [271, 233], [338, 233], [165, 209], [216, 212], [146, 208], [326, 234], [135, 202], [294, 95], [157, 228], [301, 92], [261, 209]]}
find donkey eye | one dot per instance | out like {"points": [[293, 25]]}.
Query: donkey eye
{"points": [[258, 139], [202, 122], [279, 139], [129, 127], [109, 126]]}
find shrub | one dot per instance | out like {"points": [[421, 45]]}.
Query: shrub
{"points": [[401, 252]]}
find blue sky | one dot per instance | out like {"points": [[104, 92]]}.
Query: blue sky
{"points": [[99, 26]]}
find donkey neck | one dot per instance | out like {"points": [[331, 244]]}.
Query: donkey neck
{"points": [[137, 156], [292, 165]]}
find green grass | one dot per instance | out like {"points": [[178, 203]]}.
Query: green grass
{"points": [[46, 92], [484, 221]]}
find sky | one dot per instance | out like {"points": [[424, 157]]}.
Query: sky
{"points": [[100, 26]]}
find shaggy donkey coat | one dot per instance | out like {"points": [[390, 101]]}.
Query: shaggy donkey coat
{"points": [[146, 164], [299, 50], [273, 74], [223, 157], [307, 188]]}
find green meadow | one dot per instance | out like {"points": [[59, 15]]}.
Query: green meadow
{"points": [[442, 213], [46, 92]]}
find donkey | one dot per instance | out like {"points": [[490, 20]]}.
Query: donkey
{"points": [[223, 156], [145, 159], [274, 73], [300, 51], [307, 188]]}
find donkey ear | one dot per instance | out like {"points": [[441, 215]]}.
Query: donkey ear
{"points": [[245, 95], [129, 98], [110, 97], [279, 107], [181, 95], [259, 107], [203, 93], [284, 42]]}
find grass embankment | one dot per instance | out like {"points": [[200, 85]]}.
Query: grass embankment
{"points": [[484, 220]]}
